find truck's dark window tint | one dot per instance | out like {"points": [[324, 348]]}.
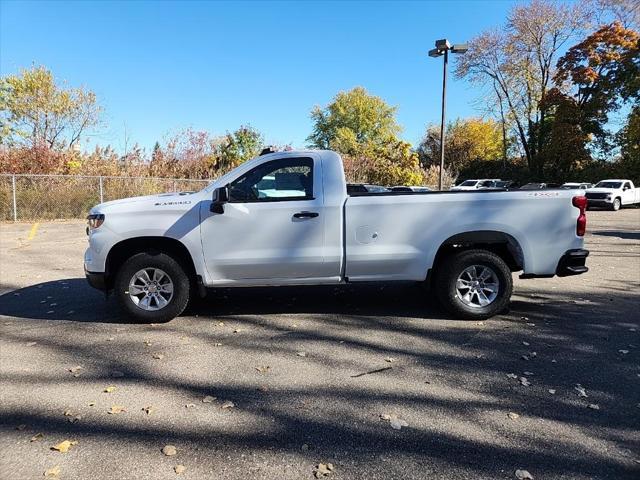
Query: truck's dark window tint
{"points": [[279, 180]]}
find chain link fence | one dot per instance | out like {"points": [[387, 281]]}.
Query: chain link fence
{"points": [[51, 197]]}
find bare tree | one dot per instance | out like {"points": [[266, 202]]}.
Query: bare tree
{"points": [[518, 63]]}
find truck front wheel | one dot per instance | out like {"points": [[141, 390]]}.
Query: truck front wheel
{"points": [[474, 284], [616, 205], [152, 287]]}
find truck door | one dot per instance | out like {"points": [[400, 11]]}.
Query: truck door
{"points": [[627, 193], [272, 227]]}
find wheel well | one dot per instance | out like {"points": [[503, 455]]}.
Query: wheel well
{"points": [[500, 243], [125, 249]]}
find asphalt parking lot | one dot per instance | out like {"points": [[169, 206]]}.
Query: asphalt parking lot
{"points": [[269, 383]]}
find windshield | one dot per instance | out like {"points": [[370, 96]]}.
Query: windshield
{"points": [[468, 183], [608, 184]]}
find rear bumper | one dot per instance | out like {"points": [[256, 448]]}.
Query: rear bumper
{"points": [[97, 280], [573, 263]]}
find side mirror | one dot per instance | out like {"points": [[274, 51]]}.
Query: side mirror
{"points": [[220, 197]]}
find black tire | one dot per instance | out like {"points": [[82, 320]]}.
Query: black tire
{"points": [[181, 287], [451, 267], [615, 206]]}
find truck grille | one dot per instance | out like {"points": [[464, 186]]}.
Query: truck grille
{"points": [[596, 195]]}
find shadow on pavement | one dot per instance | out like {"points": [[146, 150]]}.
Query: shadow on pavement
{"points": [[73, 299]]}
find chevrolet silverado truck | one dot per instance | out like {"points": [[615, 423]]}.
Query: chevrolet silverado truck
{"points": [[286, 219], [613, 194]]}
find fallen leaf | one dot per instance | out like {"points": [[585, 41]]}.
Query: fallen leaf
{"points": [[30, 344], [92, 404], [552, 391], [322, 470], [52, 472], [75, 369], [302, 354], [115, 409], [395, 422], [512, 375], [623, 352], [169, 450], [523, 475], [594, 406], [68, 413], [75, 419], [227, 404], [526, 344], [37, 437], [158, 356], [524, 382], [264, 369], [64, 446], [238, 330], [179, 469], [528, 373], [208, 399], [190, 405], [525, 357], [21, 427], [581, 391], [513, 416], [147, 343], [109, 389], [111, 339], [217, 344], [148, 409], [389, 359]]}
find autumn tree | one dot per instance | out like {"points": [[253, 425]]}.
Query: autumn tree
{"points": [[353, 121], [597, 77], [37, 112], [466, 140]]}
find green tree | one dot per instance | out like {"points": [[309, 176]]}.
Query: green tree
{"points": [[466, 140], [353, 122], [37, 112], [238, 147]]}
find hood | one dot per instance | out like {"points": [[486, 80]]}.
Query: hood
{"points": [[159, 200], [601, 190]]}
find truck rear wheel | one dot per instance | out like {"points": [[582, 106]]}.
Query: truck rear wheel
{"points": [[474, 284], [152, 288]]}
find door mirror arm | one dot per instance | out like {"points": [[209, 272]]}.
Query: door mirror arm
{"points": [[220, 197]]}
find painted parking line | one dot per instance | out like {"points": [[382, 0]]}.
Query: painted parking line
{"points": [[33, 231]]}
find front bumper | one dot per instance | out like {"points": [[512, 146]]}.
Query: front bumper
{"points": [[599, 202], [97, 280], [573, 263]]}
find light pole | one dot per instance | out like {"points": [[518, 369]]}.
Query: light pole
{"points": [[442, 48]]}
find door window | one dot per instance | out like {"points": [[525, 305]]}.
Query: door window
{"points": [[276, 181]]}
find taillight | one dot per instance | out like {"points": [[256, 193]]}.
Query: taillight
{"points": [[581, 225]]}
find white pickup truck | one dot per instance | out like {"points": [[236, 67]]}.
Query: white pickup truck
{"points": [[613, 194], [286, 219]]}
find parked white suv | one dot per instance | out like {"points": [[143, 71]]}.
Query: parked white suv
{"points": [[613, 194], [287, 219]]}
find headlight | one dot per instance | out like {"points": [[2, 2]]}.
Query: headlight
{"points": [[95, 220]]}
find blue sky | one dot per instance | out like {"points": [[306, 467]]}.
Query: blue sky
{"points": [[158, 67]]}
